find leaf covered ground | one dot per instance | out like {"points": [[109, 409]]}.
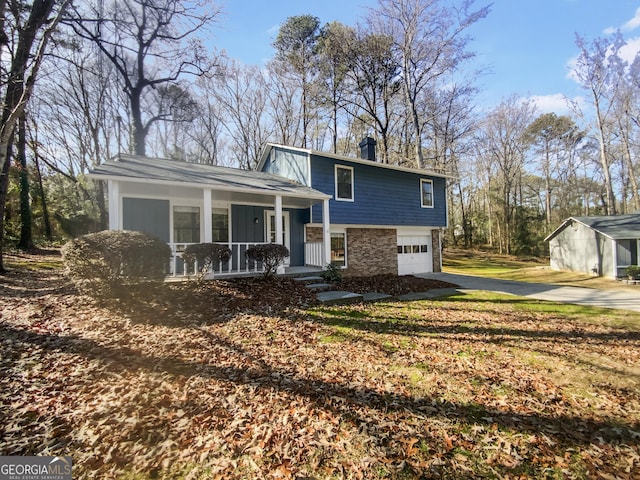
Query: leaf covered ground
{"points": [[247, 379]]}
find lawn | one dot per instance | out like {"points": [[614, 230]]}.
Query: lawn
{"points": [[522, 269], [247, 380]]}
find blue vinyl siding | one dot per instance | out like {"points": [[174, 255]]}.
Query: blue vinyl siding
{"points": [[244, 228], [289, 164], [147, 215], [381, 196]]}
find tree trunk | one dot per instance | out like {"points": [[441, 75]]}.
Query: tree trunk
{"points": [[45, 208], [4, 187], [604, 162], [635, 194], [547, 185], [139, 134], [19, 84], [26, 231]]}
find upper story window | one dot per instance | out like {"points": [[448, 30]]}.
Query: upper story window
{"points": [[344, 183], [426, 193]]}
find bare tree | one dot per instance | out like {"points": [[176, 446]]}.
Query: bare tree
{"points": [[241, 93], [627, 118], [374, 86], [206, 131], [296, 46], [284, 105], [151, 43], [502, 143], [599, 70], [172, 138], [79, 113], [25, 31], [334, 50], [430, 40], [552, 140]]}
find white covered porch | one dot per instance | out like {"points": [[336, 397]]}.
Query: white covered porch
{"points": [[256, 208]]}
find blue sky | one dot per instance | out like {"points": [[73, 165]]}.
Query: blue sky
{"points": [[528, 45]]}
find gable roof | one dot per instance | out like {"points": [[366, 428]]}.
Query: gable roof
{"points": [[616, 227], [174, 172], [370, 163]]}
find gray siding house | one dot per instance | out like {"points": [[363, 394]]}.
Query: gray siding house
{"points": [[602, 245]]}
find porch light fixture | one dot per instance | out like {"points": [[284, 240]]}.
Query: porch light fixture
{"points": [[256, 220]]}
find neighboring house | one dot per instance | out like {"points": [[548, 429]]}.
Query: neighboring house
{"points": [[602, 245], [365, 216]]}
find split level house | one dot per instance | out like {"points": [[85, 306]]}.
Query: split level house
{"points": [[364, 216], [601, 245]]}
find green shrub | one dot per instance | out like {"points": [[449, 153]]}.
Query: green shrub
{"points": [[206, 255], [104, 263], [271, 255], [333, 273], [632, 271]]}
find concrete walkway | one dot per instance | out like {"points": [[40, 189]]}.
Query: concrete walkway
{"points": [[622, 299]]}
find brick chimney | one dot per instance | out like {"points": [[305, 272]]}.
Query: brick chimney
{"points": [[368, 149]]}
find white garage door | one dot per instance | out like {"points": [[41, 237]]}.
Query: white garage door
{"points": [[414, 254]]}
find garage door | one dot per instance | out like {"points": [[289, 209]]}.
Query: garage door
{"points": [[414, 254]]}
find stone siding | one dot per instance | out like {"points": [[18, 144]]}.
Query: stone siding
{"points": [[436, 248], [314, 234], [371, 251]]}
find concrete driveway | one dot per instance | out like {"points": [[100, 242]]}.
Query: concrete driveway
{"points": [[622, 299]]}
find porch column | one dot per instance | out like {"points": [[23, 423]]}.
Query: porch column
{"points": [[114, 204], [207, 214], [614, 251], [326, 234], [278, 220]]}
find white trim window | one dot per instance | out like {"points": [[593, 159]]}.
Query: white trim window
{"points": [[186, 224], [426, 193], [344, 183], [220, 225], [339, 249]]}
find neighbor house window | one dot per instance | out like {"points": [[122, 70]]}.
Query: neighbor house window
{"points": [[186, 224], [339, 249], [426, 193], [344, 183], [220, 225]]}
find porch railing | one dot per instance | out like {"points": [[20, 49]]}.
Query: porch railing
{"points": [[313, 254], [238, 264]]}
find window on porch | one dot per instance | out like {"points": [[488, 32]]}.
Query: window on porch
{"points": [[220, 225], [186, 224]]}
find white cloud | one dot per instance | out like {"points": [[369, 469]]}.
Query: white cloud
{"points": [[554, 103], [628, 26], [633, 23], [630, 50]]}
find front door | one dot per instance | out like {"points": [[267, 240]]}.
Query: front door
{"points": [[270, 234]]}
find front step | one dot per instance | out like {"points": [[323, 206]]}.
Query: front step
{"points": [[339, 298], [319, 286], [309, 279]]}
